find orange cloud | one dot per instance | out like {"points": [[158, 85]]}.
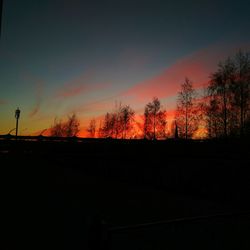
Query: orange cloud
{"points": [[197, 67], [38, 84]]}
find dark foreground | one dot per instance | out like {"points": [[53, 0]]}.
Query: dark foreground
{"points": [[104, 194]]}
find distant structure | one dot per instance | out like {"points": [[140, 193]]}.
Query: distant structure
{"points": [[17, 116]]}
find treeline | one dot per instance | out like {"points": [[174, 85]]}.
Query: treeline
{"points": [[227, 108], [223, 111], [121, 123]]}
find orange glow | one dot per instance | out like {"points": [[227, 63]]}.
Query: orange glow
{"points": [[201, 133], [168, 83], [197, 66], [65, 100]]}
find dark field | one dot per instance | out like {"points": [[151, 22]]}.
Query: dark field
{"points": [[107, 194]]}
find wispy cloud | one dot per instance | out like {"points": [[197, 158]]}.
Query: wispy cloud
{"points": [[72, 91], [38, 88], [75, 87], [80, 85], [38, 100]]}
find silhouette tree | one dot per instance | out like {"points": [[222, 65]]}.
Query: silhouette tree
{"points": [[154, 120], [66, 129], [71, 127], [212, 119], [92, 128], [241, 87], [118, 123], [126, 118], [220, 95], [186, 114], [161, 124], [227, 110], [146, 127], [57, 129], [108, 125]]}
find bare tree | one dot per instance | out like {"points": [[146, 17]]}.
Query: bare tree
{"points": [[241, 87], [57, 129], [186, 117], [154, 120], [67, 129], [220, 92], [147, 124], [92, 128], [107, 127], [118, 124], [161, 124], [212, 119], [229, 92], [126, 118], [72, 126]]}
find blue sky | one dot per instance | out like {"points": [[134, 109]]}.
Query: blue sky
{"points": [[97, 50]]}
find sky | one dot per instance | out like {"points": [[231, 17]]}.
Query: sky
{"points": [[59, 57]]}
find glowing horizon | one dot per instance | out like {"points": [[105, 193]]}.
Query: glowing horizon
{"points": [[56, 61]]}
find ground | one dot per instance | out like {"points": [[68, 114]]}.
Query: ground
{"points": [[110, 194]]}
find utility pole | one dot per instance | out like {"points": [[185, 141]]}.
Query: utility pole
{"points": [[17, 115]]}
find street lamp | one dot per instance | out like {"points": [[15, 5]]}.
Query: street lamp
{"points": [[17, 115]]}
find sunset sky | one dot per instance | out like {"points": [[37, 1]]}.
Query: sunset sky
{"points": [[63, 56]]}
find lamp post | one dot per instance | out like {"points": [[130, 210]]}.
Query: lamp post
{"points": [[17, 115]]}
